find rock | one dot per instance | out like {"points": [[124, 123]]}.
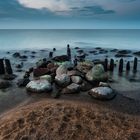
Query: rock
{"points": [[23, 57], [42, 63], [94, 51], [74, 73], [39, 86], [80, 51], [9, 77], [97, 74], [85, 66], [62, 80], [17, 54], [86, 86], [76, 79], [40, 72], [137, 53], [102, 93], [19, 66], [23, 82], [102, 84], [124, 51], [81, 56], [4, 84], [122, 55], [76, 48], [72, 88], [62, 69], [61, 58], [50, 65], [47, 77]]}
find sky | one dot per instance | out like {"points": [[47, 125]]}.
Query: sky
{"points": [[69, 14]]}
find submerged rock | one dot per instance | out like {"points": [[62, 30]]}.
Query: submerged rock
{"points": [[62, 80], [16, 54], [102, 93], [137, 53], [61, 58], [4, 84], [38, 86], [97, 74], [72, 88]]}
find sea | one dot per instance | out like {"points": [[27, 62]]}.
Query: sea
{"points": [[11, 39]]}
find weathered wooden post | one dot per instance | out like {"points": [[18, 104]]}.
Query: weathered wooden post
{"points": [[50, 54], [128, 66], [68, 51], [112, 65], [135, 64], [2, 71], [8, 67], [121, 66], [106, 65]]}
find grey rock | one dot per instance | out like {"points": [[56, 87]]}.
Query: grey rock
{"points": [[76, 79]]}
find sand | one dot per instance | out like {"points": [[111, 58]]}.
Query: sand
{"points": [[52, 119]]}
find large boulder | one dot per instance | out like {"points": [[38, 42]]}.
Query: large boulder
{"points": [[85, 66], [97, 74], [4, 84], [62, 80], [76, 79], [39, 86], [63, 69], [72, 88], [102, 93]]}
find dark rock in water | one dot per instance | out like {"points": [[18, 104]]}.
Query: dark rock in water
{"points": [[4, 84], [76, 48], [32, 56], [80, 51], [86, 86], [137, 53], [40, 71], [124, 51], [23, 82], [17, 54], [19, 66], [114, 50], [102, 93], [81, 56], [61, 58], [33, 52], [72, 88], [93, 51], [9, 76], [31, 70], [122, 55], [8, 52], [98, 48], [98, 61], [39, 86], [23, 57]]}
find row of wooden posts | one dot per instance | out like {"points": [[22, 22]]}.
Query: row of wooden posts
{"points": [[111, 65], [5, 66]]}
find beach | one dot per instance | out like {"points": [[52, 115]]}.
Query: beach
{"points": [[124, 106]]}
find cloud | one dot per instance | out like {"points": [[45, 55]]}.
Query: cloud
{"points": [[67, 7]]}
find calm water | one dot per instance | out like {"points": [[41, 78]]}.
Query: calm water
{"points": [[36, 39]]}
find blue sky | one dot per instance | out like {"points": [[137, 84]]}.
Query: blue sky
{"points": [[70, 14]]}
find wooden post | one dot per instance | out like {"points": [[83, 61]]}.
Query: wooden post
{"points": [[112, 65], [68, 51], [2, 71], [50, 54], [135, 64], [128, 66], [121, 66], [106, 65], [8, 67]]}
